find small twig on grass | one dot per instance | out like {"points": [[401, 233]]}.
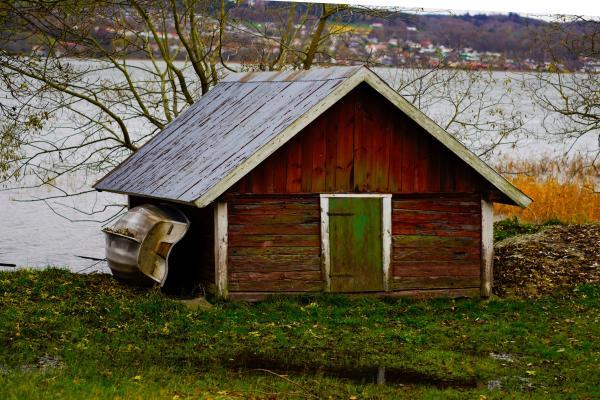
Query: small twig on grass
{"points": [[91, 266], [276, 394], [285, 378]]}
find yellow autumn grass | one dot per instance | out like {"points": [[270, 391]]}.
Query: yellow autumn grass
{"points": [[565, 190]]}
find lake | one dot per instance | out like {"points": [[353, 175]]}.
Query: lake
{"points": [[34, 234]]}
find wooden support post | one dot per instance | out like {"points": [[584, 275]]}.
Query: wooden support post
{"points": [[487, 247], [220, 225], [325, 263], [386, 224]]}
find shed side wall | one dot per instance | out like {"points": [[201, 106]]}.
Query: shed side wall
{"points": [[436, 242], [274, 244]]}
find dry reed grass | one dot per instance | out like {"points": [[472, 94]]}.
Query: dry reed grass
{"points": [[565, 189]]}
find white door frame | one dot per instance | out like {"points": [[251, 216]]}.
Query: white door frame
{"points": [[386, 233]]}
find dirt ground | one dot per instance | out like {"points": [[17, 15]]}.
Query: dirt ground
{"points": [[535, 264]]}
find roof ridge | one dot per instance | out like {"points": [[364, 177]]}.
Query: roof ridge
{"points": [[310, 75]]}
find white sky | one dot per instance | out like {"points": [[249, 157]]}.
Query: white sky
{"points": [[532, 7]]}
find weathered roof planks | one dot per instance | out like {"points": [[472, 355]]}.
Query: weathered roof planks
{"points": [[243, 120]]}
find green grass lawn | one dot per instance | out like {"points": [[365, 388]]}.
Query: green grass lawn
{"points": [[85, 336]]}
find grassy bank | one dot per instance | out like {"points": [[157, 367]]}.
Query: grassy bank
{"points": [[84, 336]]}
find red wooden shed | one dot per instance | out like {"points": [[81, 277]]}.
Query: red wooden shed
{"points": [[322, 180]]}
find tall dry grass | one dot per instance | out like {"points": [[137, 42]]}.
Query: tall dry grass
{"points": [[565, 190]]}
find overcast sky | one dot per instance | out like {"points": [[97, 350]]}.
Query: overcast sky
{"points": [[531, 7]]}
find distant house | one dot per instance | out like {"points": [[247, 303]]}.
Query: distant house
{"points": [[319, 181]]}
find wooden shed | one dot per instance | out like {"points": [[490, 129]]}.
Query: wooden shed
{"points": [[320, 181]]}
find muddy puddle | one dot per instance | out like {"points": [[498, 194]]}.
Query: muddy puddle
{"points": [[380, 375]]}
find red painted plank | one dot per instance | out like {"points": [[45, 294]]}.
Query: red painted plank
{"points": [[463, 204], [413, 268], [274, 240], [444, 230], [344, 152], [434, 282], [409, 217], [294, 169], [395, 156], [423, 158], [280, 171], [409, 149], [276, 281], [275, 229], [362, 147], [319, 156], [331, 137], [283, 217], [434, 169], [266, 200], [382, 166], [273, 263], [307, 158]]}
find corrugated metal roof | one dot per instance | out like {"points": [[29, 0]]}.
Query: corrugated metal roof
{"points": [[221, 130], [247, 117]]}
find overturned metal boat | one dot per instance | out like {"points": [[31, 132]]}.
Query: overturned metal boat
{"points": [[139, 243]]}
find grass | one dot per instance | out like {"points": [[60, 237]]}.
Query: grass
{"points": [[111, 341], [563, 189]]}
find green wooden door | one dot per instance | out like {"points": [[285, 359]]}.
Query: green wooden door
{"points": [[355, 244]]}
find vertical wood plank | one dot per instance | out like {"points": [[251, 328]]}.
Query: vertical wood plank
{"points": [[360, 148], [395, 162], [378, 117], [386, 225], [331, 135], [382, 163], [220, 228], [325, 254], [280, 173], [294, 169], [422, 160], [345, 147], [408, 154], [318, 157], [446, 171], [269, 176], [487, 247], [263, 178], [434, 171], [461, 182], [308, 148]]}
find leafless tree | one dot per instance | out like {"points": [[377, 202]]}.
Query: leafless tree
{"points": [[107, 75], [479, 107], [104, 76], [569, 96]]}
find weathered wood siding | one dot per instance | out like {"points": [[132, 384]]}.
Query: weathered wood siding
{"points": [[274, 244], [362, 144], [436, 242]]}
